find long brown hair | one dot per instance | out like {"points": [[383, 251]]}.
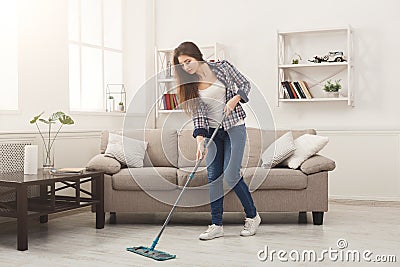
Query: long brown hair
{"points": [[188, 92]]}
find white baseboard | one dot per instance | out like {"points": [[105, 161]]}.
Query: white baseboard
{"points": [[367, 198]]}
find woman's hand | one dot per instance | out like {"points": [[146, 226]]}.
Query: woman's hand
{"points": [[231, 104], [200, 149]]}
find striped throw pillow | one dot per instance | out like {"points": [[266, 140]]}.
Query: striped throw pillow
{"points": [[126, 150], [278, 151]]}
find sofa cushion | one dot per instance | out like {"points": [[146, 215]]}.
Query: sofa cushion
{"points": [[277, 178], [102, 163], [258, 140], [200, 178], [306, 146], [316, 164], [146, 178], [278, 151], [161, 149], [187, 147], [128, 151]]}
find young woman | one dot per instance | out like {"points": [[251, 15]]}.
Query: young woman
{"points": [[206, 90]]}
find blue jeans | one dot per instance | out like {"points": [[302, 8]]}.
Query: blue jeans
{"points": [[222, 163]]}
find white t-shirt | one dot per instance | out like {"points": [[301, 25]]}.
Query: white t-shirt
{"points": [[214, 97]]}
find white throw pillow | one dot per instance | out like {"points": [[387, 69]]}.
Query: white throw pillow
{"points": [[307, 145], [278, 151], [126, 150]]}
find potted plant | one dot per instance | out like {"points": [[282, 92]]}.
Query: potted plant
{"points": [[48, 142], [121, 106], [332, 89], [296, 58]]}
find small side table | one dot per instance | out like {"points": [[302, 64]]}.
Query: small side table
{"points": [[49, 201]]}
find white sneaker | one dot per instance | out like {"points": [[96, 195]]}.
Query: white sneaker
{"points": [[213, 231], [250, 226]]}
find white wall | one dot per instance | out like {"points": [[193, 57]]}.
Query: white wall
{"points": [[362, 140], [367, 164]]}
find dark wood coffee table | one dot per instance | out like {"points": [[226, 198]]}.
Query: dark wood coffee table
{"points": [[47, 201]]}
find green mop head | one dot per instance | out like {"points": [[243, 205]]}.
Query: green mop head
{"points": [[153, 254]]}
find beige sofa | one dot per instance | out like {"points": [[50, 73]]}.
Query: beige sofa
{"points": [[170, 157]]}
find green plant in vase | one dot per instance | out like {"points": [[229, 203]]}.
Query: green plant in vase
{"points": [[121, 106], [332, 89], [48, 142]]}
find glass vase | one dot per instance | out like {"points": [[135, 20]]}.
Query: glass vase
{"points": [[48, 156], [111, 105]]}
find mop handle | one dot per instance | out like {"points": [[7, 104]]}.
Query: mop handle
{"points": [[155, 241]]}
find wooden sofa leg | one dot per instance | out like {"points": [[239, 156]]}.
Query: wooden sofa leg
{"points": [[113, 218], [302, 217], [318, 217]]}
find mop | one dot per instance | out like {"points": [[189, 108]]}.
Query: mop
{"points": [[150, 252]]}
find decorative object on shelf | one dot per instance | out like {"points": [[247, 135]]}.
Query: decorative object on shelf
{"points": [[336, 56], [48, 142], [296, 58], [169, 70], [121, 106], [110, 103], [317, 59], [332, 89], [115, 92]]}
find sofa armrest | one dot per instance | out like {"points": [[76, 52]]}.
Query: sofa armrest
{"points": [[317, 163], [102, 163]]}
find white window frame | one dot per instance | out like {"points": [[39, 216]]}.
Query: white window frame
{"points": [[103, 49]]}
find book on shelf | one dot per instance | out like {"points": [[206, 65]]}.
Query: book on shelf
{"points": [[291, 89], [170, 101], [296, 90], [164, 101], [286, 89], [176, 101], [285, 93], [167, 104], [305, 88], [299, 89]]}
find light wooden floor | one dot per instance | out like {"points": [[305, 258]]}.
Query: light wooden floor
{"points": [[72, 240]]}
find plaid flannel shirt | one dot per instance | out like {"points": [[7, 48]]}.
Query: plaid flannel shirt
{"points": [[230, 77]]}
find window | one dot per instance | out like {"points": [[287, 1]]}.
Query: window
{"points": [[9, 56], [95, 51]]}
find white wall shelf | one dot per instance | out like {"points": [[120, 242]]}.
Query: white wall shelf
{"points": [[320, 99], [170, 111], [320, 30], [304, 45], [312, 65]]}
